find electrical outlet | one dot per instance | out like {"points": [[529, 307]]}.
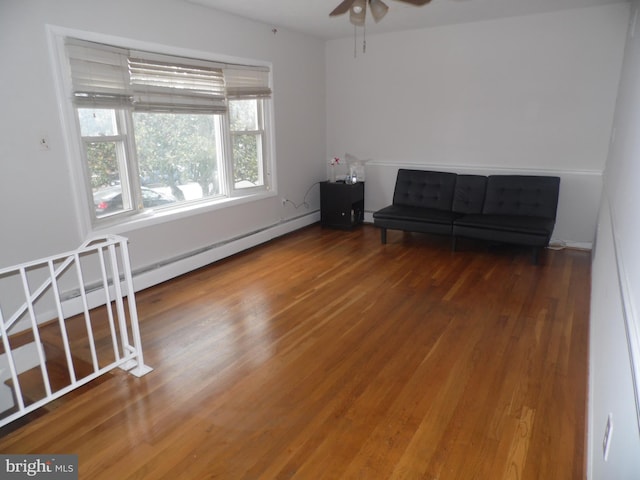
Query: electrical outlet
{"points": [[284, 201], [606, 441]]}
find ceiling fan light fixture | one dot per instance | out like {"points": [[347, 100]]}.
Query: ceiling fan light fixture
{"points": [[378, 9], [358, 12]]}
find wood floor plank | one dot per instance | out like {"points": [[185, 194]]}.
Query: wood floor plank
{"points": [[325, 354]]}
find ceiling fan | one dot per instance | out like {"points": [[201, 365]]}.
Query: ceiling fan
{"points": [[358, 9]]}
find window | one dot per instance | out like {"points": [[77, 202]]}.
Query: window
{"points": [[247, 132], [159, 131]]}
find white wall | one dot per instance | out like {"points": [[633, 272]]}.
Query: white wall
{"points": [[614, 378], [532, 94], [37, 211]]}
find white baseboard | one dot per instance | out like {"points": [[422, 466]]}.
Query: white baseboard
{"points": [[153, 276]]}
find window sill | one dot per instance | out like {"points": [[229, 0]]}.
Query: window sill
{"points": [[152, 217]]}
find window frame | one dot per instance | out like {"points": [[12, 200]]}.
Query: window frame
{"points": [[123, 152], [260, 134], [140, 218]]}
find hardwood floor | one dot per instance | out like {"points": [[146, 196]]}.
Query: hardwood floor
{"points": [[326, 355]]}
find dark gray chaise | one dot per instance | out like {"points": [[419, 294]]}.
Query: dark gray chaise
{"points": [[516, 209]]}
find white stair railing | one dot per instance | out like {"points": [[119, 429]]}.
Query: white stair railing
{"points": [[81, 293]]}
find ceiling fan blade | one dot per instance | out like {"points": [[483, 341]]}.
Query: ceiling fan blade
{"points": [[417, 3], [378, 9], [342, 8]]}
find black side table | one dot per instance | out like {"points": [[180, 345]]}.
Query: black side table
{"points": [[341, 204]]}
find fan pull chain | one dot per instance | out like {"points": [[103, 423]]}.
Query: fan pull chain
{"points": [[355, 42], [364, 38]]}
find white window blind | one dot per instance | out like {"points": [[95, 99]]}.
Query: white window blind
{"points": [[165, 83], [99, 74], [105, 75], [246, 82]]}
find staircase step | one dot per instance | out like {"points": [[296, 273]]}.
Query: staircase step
{"points": [[32, 382]]}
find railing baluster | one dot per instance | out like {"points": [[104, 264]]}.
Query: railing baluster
{"points": [[141, 369], [11, 362], [63, 327], [87, 317], [36, 332], [122, 319], [105, 286]]}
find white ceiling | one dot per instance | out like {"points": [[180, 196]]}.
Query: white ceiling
{"points": [[312, 16]]}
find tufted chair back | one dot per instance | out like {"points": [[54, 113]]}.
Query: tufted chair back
{"points": [[469, 194], [522, 195], [425, 189]]}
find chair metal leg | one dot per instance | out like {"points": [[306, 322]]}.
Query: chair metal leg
{"points": [[536, 255]]}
